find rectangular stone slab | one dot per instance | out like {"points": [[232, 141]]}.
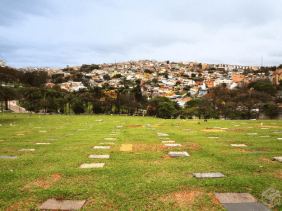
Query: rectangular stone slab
{"points": [[173, 145], [238, 145], [42, 131], [212, 137], [8, 157], [28, 150], [168, 142], [101, 147], [52, 139], [257, 151], [252, 133], [119, 126], [178, 154], [91, 165], [42, 143], [265, 136], [162, 134], [278, 158], [110, 139], [224, 198], [108, 143], [250, 206], [52, 204], [208, 175], [99, 156]]}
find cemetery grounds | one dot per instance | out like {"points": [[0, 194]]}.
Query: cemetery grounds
{"points": [[140, 174]]}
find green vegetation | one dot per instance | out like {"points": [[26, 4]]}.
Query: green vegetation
{"points": [[143, 179]]}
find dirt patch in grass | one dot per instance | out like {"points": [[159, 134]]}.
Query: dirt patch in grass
{"points": [[236, 130], [265, 159], [126, 147], [194, 146], [166, 157], [44, 183], [278, 174], [183, 198], [134, 126], [145, 147], [213, 198]]}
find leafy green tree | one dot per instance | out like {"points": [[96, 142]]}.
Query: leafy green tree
{"points": [[77, 105], [167, 110], [106, 77], [6, 94], [270, 109], [265, 87]]}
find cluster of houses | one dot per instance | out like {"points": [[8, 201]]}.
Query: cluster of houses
{"points": [[179, 81]]}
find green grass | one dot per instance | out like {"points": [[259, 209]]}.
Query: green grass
{"points": [[142, 179]]}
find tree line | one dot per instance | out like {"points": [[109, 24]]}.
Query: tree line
{"points": [[28, 88]]}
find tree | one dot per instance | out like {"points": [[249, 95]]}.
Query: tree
{"points": [[270, 109], [106, 77], [167, 110], [77, 105], [6, 94]]}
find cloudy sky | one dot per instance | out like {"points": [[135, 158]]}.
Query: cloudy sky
{"points": [[57, 33]]}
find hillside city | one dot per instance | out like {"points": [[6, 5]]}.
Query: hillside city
{"points": [[178, 81]]}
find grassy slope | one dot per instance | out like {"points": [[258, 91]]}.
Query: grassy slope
{"points": [[142, 179]]}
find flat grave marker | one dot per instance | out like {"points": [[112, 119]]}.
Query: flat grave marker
{"points": [[238, 145], [162, 134], [52, 139], [111, 143], [279, 158], [8, 157], [178, 154], [91, 165], [209, 175], [265, 136], [168, 142], [252, 133], [1, 140], [110, 139], [279, 138], [126, 147], [173, 145], [42, 131], [27, 150], [101, 147], [257, 151], [19, 134], [99, 156], [53, 204], [187, 129], [224, 128], [240, 201], [119, 126], [99, 120], [264, 128], [42, 143], [213, 137]]}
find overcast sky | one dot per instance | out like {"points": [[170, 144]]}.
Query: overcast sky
{"points": [[57, 33]]}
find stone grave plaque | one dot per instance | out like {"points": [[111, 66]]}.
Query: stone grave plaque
{"points": [[163, 138], [119, 126], [53, 204], [234, 198], [250, 127], [162, 134], [187, 129], [168, 142], [212, 137], [173, 145], [99, 156], [27, 150], [178, 154], [126, 147], [1, 140], [257, 151], [264, 128], [42, 143], [99, 120], [252, 133], [8, 157], [20, 134], [278, 158], [37, 127], [238, 145], [279, 138], [42, 131], [250, 206], [216, 127], [208, 175], [224, 128], [101, 147], [265, 136], [91, 165], [110, 139], [52, 139], [108, 143]]}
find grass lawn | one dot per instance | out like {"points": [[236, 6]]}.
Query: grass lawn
{"points": [[146, 178]]}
